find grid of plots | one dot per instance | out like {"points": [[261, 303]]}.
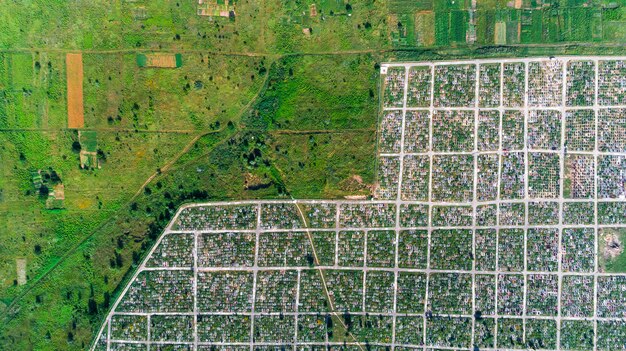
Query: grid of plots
{"points": [[515, 129], [530, 156], [307, 274], [500, 209]]}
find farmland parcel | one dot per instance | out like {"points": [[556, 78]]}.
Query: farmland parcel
{"points": [[491, 205]]}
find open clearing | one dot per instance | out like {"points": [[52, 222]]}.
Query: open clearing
{"points": [[20, 268]]}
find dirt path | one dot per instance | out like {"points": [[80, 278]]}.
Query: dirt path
{"points": [[168, 165], [321, 131], [115, 130], [309, 53], [323, 278]]}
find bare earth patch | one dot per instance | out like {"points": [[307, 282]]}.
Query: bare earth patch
{"points": [[74, 68], [20, 268], [612, 246]]}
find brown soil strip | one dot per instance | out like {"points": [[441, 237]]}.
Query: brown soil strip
{"points": [[161, 60], [74, 68]]}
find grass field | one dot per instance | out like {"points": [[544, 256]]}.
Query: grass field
{"points": [[257, 110], [313, 93]]}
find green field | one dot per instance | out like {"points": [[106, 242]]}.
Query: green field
{"points": [[258, 109]]}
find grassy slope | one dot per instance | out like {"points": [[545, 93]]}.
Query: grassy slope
{"points": [[214, 169]]}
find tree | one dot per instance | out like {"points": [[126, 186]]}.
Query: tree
{"points": [[478, 315], [92, 307], [76, 147], [44, 191], [107, 300], [118, 260]]}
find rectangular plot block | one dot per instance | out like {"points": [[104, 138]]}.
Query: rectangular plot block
{"points": [[449, 332], [581, 80], [611, 77], [367, 215], [451, 249], [413, 249], [452, 216], [580, 130], [276, 291], [542, 294], [420, 79], [415, 178], [159, 291], [512, 130], [545, 83], [513, 89], [223, 328], [390, 132], [510, 294], [543, 212], [351, 248], [579, 179], [488, 130], [346, 289], [489, 85], [284, 249], [512, 176], [612, 130], [450, 293], [485, 250], [129, 327], [578, 213], [278, 329], [543, 175], [413, 215], [381, 247], [455, 85], [409, 330], [174, 250], [612, 296], [411, 292], [452, 178], [281, 216], [379, 290], [224, 291], [544, 130], [394, 82], [217, 217], [226, 249], [577, 296], [171, 328], [578, 249], [487, 177], [577, 335], [388, 178], [417, 131], [319, 215], [485, 294], [453, 130], [313, 328]]}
